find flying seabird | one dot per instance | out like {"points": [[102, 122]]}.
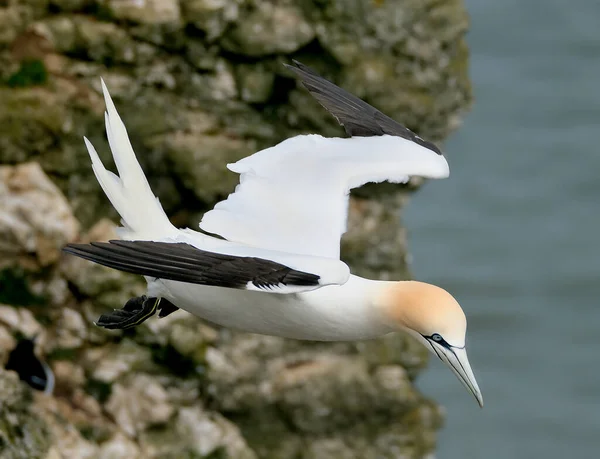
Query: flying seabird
{"points": [[275, 268]]}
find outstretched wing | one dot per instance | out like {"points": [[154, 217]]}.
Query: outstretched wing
{"points": [[186, 263], [293, 197], [358, 118]]}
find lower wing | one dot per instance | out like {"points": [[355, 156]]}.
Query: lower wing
{"points": [[184, 262]]}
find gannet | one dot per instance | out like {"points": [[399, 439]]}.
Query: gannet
{"points": [[267, 258]]}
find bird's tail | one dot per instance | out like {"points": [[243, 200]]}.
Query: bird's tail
{"points": [[142, 216]]}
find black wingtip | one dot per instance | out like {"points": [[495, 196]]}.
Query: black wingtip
{"points": [[185, 263], [299, 66], [358, 118], [74, 248], [304, 71]]}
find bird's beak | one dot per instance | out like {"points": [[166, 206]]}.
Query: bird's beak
{"points": [[456, 358]]}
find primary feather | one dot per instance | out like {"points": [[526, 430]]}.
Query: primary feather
{"points": [[357, 117]]}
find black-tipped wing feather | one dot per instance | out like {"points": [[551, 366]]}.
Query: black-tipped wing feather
{"points": [[186, 263], [358, 118]]}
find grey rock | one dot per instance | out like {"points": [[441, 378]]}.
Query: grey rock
{"points": [[255, 82], [61, 31], [210, 433], [220, 84], [59, 417], [190, 338], [212, 16], [197, 432], [109, 288], [73, 330], [119, 447], [7, 344], [113, 362], [19, 321], [199, 170], [146, 11], [23, 434], [138, 403], [35, 218], [69, 376], [269, 28], [10, 24], [202, 56]]}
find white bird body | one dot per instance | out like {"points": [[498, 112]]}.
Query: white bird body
{"points": [[332, 313], [313, 175], [276, 269]]}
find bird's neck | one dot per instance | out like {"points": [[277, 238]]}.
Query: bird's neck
{"points": [[399, 302], [359, 309], [349, 309]]}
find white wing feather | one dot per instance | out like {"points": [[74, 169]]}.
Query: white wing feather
{"points": [[293, 197], [141, 214], [143, 217]]}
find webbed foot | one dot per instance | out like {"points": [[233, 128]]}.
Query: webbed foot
{"points": [[135, 311]]}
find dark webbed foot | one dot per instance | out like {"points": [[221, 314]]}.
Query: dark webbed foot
{"points": [[135, 311], [166, 308]]}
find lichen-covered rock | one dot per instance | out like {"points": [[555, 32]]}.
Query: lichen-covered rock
{"points": [[7, 344], [212, 16], [62, 419], [200, 171], [211, 434], [19, 321], [35, 218], [108, 364], [23, 435], [10, 22], [270, 28], [119, 447], [145, 11], [107, 286], [199, 83], [322, 390], [255, 82], [139, 403]]}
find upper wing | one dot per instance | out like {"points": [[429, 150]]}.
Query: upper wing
{"points": [[184, 262], [358, 118], [293, 197]]}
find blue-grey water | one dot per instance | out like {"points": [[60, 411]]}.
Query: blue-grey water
{"points": [[515, 235]]}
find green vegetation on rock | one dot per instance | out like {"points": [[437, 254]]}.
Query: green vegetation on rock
{"points": [[30, 73], [15, 290]]}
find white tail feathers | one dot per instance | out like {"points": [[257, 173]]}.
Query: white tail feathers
{"points": [[142, 216]]}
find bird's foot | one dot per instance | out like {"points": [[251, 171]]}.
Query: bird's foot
{"points": [[136, 311], [165, 308]]}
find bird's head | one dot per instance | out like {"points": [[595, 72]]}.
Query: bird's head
{"points": [[435, 318]]}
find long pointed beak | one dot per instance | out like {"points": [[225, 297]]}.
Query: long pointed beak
{"points": [[456, 358]]}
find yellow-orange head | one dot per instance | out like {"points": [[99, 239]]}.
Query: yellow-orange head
{"points": [[435, 318]]}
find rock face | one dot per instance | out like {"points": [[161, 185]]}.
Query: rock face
{"points": [[199, 83]]}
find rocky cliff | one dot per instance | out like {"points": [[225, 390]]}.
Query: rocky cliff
{"points": [[199, 83]]}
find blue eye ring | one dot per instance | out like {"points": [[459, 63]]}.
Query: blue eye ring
{"points": [[437, 337]]}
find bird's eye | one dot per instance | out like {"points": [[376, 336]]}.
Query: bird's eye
{"points": [[437, 338]]}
